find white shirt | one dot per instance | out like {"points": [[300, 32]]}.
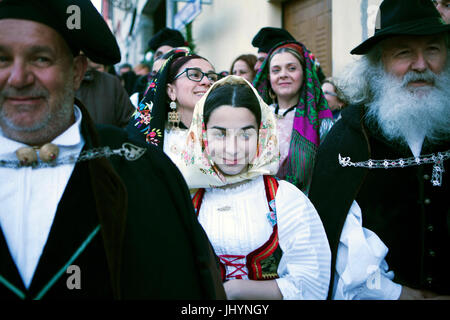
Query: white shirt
{"points": [[362, 272], [29, 199], [134, 98], [361, 269], [304, 269]]}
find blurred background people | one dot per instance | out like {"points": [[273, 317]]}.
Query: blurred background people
{"points": [[335, 97], [104, 97], [125, 67], [165, 40], [142, 83], [128, 80], [266, 39], [244, 66], [141, 69], [443, 6], [161, 43]]}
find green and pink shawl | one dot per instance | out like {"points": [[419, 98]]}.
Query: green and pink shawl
{"points": [[311, 115]]}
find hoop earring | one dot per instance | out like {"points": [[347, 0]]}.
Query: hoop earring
{"points": [[173, 116]]}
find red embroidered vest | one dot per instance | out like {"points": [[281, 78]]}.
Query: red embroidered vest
{"points": [[262, 263]]}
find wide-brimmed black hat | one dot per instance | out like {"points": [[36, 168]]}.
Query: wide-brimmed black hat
{"points": [[404, 17], [77, 21], [269, 37], [167, 37]]}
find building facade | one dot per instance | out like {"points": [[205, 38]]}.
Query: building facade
{"points": [[223, 29]]}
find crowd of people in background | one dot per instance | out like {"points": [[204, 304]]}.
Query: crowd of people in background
{"points": [[268, 180]]}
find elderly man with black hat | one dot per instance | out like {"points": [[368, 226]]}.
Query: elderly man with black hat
{"points": [[382, 183], [85, 212]]}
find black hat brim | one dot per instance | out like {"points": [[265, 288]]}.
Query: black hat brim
{"points": [[419, 28], [92, 36]]}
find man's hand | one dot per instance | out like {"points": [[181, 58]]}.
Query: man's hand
{"points": [[415, 294]]}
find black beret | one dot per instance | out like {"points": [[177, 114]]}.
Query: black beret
{"points": [[78, 22], [269, 37], [166, 37]]}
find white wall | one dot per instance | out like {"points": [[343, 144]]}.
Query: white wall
{"points": [[225, 29], [347, 28]]}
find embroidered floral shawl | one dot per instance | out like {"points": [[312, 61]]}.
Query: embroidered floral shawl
{"points": [[150, 116], [200, 170]]}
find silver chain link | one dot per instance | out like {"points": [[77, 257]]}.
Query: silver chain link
{"points": [[128, 151], [435, 158]]}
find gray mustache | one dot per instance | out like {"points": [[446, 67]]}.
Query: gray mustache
{"points": [[411, 76], [29, 92]]}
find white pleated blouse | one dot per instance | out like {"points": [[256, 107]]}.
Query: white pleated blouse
{"points": [[235, 220], [174, 144]]}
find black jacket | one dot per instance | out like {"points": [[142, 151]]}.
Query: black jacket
{"points": [[400, 205], [129, 226]]}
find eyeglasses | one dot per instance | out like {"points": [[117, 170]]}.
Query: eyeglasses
{"points": [[197, 75]]}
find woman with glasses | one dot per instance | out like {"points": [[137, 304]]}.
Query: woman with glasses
{"points": [[288, 81], [164, 115]]}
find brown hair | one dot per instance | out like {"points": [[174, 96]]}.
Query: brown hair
{"points": [[249, 59], [292, 51], [339, 93]]}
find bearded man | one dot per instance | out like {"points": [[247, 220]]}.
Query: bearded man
{"points": [[381, 183]]}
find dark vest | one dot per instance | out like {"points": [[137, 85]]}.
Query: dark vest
{"points": [[408, 213], [74, 239], [411, 217]]}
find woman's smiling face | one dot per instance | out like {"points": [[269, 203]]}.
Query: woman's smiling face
{"points": [[232, 134], [187, 92], [286, 75]]}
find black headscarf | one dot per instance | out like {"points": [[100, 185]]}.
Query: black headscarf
{"points": [[149, 120]]}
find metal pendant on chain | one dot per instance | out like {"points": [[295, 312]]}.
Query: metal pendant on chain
{"points": [[48, 156]]}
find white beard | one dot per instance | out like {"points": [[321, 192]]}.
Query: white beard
{"points": [[405, 114]]}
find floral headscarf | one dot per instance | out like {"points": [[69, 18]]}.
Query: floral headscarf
{"points": [[200, 170], [312, 109]]}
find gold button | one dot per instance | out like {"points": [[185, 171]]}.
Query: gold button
{"points": [[48, 152], [432, 253], [26, 156], [430, 228], [427, 201], [426, 177]]}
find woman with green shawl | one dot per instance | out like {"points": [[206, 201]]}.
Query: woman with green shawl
{"points": [[288, 81]]}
